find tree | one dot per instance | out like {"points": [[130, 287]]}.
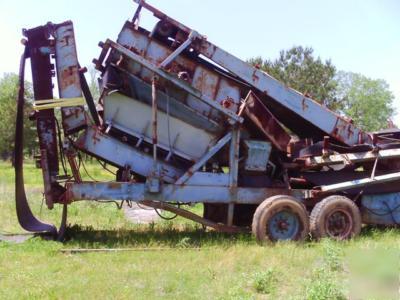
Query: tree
{"points": [[367, 101], [8, 112], [93, 83], [298, 68]]}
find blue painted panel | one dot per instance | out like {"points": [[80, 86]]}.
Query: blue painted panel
{"points": [[120, 154], [174, 193], [381, 209]]}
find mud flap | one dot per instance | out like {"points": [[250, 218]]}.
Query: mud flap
{"points": [[25, 216]]}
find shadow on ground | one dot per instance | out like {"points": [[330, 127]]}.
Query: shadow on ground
{"points": [[190, 236], [150, 236]]}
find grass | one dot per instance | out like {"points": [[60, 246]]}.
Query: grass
{"points": [[189, 263]]}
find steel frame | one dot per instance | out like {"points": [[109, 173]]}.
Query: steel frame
{"points": [[233, 117], [172, 193], [312, 112]]}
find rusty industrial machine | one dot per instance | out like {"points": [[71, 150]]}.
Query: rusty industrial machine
{"points": [[186, 122]]}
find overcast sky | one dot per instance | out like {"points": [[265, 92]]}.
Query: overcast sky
{"points": [[360, 36]]}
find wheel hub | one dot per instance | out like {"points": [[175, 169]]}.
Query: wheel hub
{"points": [[339, 224], [284, 225]]}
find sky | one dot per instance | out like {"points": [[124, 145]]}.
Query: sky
{"points": [[360, 36]]}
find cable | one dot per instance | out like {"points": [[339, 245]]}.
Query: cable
{"points": [[84, 167], [105, 167], [165, 218], [391, 212], [119, 205], [62, 156]]}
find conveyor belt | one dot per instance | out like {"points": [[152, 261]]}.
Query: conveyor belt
{"points": [[25, 216]]}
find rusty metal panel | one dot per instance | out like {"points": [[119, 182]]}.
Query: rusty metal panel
{"points": [[228, 94], [209, 83], [68, 75], [43, 89], [311, 111], [182, 85], [266, 122]]}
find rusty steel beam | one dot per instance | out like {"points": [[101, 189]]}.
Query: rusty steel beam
{"points": [[191, 216], [266, 122], [349, 158], [365, 182], [39, 49], [69, 81]]}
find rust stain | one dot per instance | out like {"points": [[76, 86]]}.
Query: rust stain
{"points": [[114, 185], [255, 76], [304, 104], [68, 77]]}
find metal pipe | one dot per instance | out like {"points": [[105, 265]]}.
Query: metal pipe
{"points": [[154, 121], [193, 34]]}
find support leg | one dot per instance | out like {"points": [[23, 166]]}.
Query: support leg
{"points": [[233, 169]]}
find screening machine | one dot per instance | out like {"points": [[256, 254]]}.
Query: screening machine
{"points": [[186, 122]]}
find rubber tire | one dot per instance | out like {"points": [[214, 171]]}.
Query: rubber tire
{"points": [[325, 207], [272, 205]]}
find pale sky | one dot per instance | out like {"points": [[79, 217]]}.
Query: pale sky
{"points": [[361, 36]]}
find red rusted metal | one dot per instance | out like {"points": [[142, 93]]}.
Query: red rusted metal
{"points": [[265, 121], [42, 68], [71, 156], [47, 182], [159, 14], [191, 216]]}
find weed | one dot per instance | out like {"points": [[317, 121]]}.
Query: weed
{"points": [[324, 282], [265, 282], [238, 293], [324, 285], [333, 255], [184, 242]]}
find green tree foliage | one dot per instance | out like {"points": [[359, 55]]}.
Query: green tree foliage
{"points": [[298, 68], [8, 111], [367, 101]]}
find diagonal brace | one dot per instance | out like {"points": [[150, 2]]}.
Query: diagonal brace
{"points": [[213, 150]]}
